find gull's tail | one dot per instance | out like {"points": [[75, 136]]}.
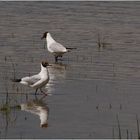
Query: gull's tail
{"points": [[70, 48], [15, 80]]}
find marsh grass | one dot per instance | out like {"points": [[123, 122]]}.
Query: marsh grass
{"points": [[101, 41], [138, 130], [127, 134], [6, 104], [113, 133], [119, 127], [13, 67]]}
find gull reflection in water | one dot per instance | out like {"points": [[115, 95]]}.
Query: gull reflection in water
{"points": [[57, 73], [37, 107]]}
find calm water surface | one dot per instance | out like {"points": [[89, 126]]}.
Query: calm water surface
{"points": [[95, 90]]}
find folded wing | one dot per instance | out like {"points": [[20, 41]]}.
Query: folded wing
{"points": [[57, 47], [30, 80]]}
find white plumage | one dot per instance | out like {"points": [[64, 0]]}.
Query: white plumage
{"points": [[37, 107], [36, 81], [53, 46]]}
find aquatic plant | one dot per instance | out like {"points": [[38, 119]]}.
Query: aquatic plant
{"points": [[138, 130], [119, 128], [13, 66], [101, 42]]}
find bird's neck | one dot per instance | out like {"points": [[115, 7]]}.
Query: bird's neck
{"points": [[44, 70], [49, 39]]}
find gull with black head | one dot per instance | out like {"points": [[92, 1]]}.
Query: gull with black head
{"points": [[54, 47], [37, 81]]}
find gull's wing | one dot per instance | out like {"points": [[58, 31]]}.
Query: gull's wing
{"points": [[38, 83], [56, 47], [30, 80]]}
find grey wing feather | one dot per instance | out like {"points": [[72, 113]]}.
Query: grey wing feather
{"points": [[57, 47], [32, 79]]}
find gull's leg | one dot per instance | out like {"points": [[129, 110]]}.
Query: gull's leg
{"points": [[42, 98], [36, 91], [43, 92], [56, 58], [60, 58]]}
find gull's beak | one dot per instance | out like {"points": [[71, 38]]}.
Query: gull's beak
{"points": [[42, 37]]}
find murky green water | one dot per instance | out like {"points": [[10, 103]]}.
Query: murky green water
{"points": [[95, 91]]}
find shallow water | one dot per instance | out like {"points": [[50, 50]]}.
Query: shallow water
{"points": [[94, 84]]}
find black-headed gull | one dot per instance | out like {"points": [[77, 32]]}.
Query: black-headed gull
{"points": [[36, 81], [39, 108], [54, 47]]}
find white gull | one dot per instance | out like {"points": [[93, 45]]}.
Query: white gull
{"points": [[36, 81], [54, 47]]}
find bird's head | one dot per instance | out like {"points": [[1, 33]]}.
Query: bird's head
{"points": [[45, 64], [44, 35]]}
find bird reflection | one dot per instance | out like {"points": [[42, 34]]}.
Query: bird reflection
{"points": [[37, 107], [57, 73]]}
